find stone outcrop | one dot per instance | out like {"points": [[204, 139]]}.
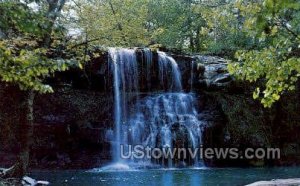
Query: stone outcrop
{"points": [[281, 182], [245, 123], [212, 73]]}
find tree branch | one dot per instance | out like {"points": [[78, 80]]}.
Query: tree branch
{"points": [[283, 24], [87, 42]]}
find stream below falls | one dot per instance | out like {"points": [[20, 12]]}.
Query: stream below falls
{"points": [[205, 176]]}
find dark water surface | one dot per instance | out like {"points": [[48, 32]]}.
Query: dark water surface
{"points": [[167, 177]]}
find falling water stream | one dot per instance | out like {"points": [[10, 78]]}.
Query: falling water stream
{"points": [[157, 119]]}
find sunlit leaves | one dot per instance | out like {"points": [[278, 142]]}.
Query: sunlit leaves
{"points": [[276, 25], [28, 68], [113, 22], [16, 17], [280, 74]]}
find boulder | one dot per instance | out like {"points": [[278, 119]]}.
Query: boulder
{"points": [[282, 182], [28, 181], [212, 72]]}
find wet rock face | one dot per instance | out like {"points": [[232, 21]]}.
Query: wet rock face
{"points": [[186, 65], [69, 129], [97, 74], [201, 72], [212, 73]]}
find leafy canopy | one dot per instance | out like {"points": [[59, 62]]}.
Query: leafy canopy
{"points": [[276, 24], [25, 58], [28, 68]]}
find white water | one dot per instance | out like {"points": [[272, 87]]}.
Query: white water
{"points": [[158, 119], [125, 73], [166, 64], [149, 58], [117, 101], [163, 118]]}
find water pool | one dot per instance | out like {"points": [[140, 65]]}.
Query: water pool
{"points": [[206, 176]]}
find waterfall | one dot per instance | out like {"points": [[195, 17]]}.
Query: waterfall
{"points": [[167, 119], [125, 73], [167, 63], [154, 124], [117, 101], [149, 58]]}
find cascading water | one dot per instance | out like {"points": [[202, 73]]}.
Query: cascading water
{"points": [[167, 63], [165, 119], [148, 58], [125, 75], [162, 119]]}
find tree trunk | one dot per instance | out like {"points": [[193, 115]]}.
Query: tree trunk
{"points": [[25, 130], [192, 44], [197, 40], [54, 9]]}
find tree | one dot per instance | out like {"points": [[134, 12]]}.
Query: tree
{"points": [[276, 61], [25, 61], [112, 22], [176, 24], [173, 24]]}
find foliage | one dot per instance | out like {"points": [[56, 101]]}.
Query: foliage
{"points": [[111, 22], [189, 25], [137, 22], [17, 18], [173, 23], [28, 68], [276, 24], [264, 34], [24, 58]]}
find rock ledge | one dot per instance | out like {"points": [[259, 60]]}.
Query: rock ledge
{"points": [[281, 182]]}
